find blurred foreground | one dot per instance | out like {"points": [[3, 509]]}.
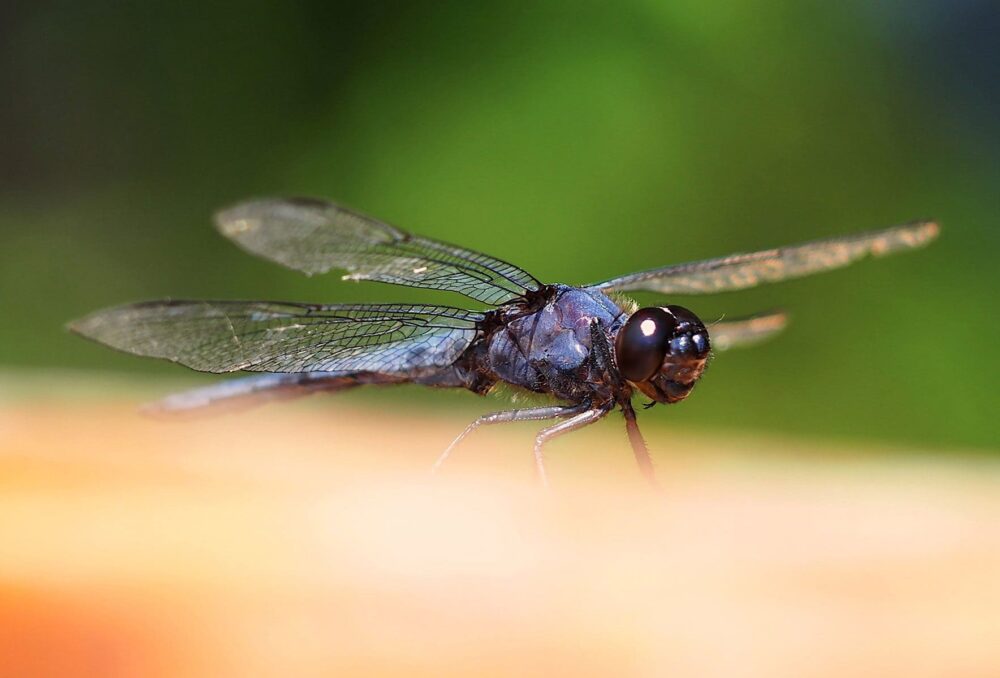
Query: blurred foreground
{"points": [[301, 541]]}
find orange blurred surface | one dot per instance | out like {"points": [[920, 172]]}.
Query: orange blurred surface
{"points": [[312, 541]]}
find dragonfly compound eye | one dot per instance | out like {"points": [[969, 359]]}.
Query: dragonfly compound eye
{"points": [[690, 340], [643, 341]]}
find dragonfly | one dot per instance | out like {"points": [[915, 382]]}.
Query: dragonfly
{"points": [[590, 348]]}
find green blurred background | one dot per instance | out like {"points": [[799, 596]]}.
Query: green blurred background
{"points": [[578, 140]]}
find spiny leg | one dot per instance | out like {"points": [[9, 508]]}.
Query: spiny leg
{"points": [[601, 356], [507, 416], [546, 434], [638, 444]]}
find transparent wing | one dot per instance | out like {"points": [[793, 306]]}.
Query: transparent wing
{"points": [[246, 392], [315, 236], [740, 271], [258, 336], [727, 334]]}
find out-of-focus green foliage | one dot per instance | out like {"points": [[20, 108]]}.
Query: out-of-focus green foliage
{"points": [[578, 140]]}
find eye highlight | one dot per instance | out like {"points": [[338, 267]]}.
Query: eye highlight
{"points": [[642, 343]]}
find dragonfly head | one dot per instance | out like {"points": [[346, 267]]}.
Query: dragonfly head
{"points": [[662, 350]]}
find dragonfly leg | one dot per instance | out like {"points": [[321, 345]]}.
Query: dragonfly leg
{"points": [[578, 421], [507, 416], [638, 444], [600, 353]]}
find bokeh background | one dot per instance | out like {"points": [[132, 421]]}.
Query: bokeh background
{"points": [[831, 499], [577, 142]]}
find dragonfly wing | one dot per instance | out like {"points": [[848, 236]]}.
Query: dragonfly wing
{"points": [[740, 271], [316, 236], [257, 336], [248, 391], [728, 334]]}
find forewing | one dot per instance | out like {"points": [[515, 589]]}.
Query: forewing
{"points": [[740, 271], [257, 336], [727, 334], [316, 236]]}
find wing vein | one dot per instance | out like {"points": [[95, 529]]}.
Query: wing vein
{"points": [[278, 337], [741, 271], [316, 236]]}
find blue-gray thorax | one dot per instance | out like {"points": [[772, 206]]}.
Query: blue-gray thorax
{"points": [[549, 349]]}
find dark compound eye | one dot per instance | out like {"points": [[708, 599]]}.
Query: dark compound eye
{"points": [[700, 342], [683, 315], [642, 343], [692, 341]]}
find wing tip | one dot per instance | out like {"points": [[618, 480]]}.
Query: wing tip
{"points": [[927, 230], [779, 318], [86, 326], [771, 320], [231, 221], [228, 219], [909, 236], [756, 329], [919, 233]]}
